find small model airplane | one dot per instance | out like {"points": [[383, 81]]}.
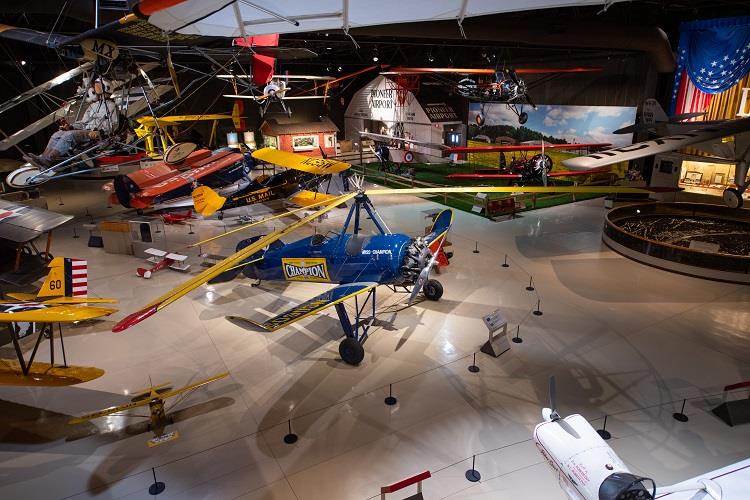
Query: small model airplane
{"points": [[162, 260], [355, 262], [177, 218], [587, 468], [154, 397], [501, 85], [61, 299]]}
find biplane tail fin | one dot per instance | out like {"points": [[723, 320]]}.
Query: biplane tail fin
{"points": [[207, 201], [653, 112], [67, 278], [439, 230]]}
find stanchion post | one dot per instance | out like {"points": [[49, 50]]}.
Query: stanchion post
{"points": [[680, 416], [473, 368], [390, 400], [290, 437], [505, 262], [530, 288], [517, 339], [156, 488], [603, 432], [472, 474], [476, 247], [538, 311]]}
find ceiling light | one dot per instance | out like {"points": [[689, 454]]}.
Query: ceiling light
{"points": [[375, 58], [328, 48], [339, 69], [23, 63], [430, 57]]}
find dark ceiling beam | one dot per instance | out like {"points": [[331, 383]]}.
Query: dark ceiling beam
{"points": [[572, 34]]}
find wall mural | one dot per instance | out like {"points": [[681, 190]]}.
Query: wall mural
{"points": [[553, 123]]}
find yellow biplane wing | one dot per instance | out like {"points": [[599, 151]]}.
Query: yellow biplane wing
{"points": [[308, 199], [47, 313], [315, 305], [144, 402], [309, 164]]}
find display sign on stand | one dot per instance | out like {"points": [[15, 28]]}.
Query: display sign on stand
{"points": [[497, 326]]}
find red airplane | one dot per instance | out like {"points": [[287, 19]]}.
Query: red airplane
{"points": [[161, 260], [177, 218]]}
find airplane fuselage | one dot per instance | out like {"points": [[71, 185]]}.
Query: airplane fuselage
{"points": [[346, 258]]}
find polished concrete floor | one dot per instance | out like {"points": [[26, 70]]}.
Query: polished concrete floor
{"points": [[622, 339]]}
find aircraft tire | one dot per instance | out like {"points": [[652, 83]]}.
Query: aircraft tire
{"points": [[351, 351], [433, 290], [522, 118], [732, 198]]}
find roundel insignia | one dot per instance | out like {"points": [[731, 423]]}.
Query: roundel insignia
{"points": [[479, 119], [409, 157], [177, 153]]}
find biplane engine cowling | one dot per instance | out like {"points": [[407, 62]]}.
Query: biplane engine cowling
{"points": [[415, 258]]}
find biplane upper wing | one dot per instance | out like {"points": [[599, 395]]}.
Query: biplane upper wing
{"points": [[659, 145], [316, 304], [216, 164], [21, 223], [222, 266], [309, 164], [519, 176], [501, 148]]}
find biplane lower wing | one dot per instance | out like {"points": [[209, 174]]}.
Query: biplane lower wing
{"points": [[306, 198], [34, 312], [313, 306], [309, 164]]}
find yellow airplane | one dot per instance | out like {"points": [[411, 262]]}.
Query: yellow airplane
{"points": [[299, 172], [62, 299], [154, 397], [149, 128]]}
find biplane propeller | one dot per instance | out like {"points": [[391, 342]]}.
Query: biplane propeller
{"points": [[355, 262], [154, 397]]}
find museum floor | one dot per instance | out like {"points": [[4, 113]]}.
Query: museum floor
{"points": [[621, 338]]}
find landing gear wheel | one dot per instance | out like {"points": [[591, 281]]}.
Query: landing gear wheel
{"points": [[522, 118], [732, 198], [23, 177], [351, 351], [433, 290]]}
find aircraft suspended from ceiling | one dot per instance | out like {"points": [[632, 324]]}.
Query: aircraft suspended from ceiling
{"points": [[502, 85]]}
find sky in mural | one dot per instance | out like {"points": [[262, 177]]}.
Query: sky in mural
{"points": [[581, 124]]}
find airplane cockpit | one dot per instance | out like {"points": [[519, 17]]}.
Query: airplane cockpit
{"points": [[626, 486]]}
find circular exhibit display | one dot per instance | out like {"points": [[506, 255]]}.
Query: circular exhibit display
{"points": [[707, 241]]}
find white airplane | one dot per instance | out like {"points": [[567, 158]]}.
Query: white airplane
{"points": [[654, 119], [705, 136], [589, 469], [161, 260]]}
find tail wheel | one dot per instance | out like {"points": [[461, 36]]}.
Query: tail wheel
{"points": [[433, 290], [732, 198], [351, 351], [523, 117]]}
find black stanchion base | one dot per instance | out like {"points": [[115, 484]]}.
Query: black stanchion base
{"points": [[473, 368], [475, 251], [537, 313], [517, 340], [604, 434], [530, 288], [680, 417], [191, 232], [290, 438], [473, 475], [390, 401], [156, 488], [504, 265]]}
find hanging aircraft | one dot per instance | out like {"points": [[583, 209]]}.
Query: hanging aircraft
{"points": [[587, 468], [502, 85], [356, 263], [61, 299], [706, 137], [154, 397]]}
